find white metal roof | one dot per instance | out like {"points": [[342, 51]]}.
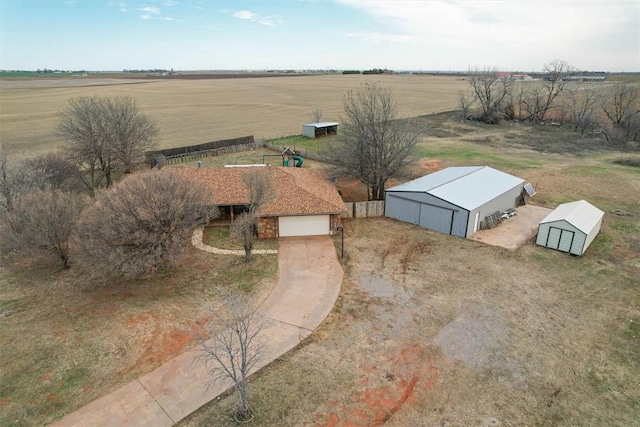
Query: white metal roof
{"points": [[468, 186], [581, 214], [322, 124]]}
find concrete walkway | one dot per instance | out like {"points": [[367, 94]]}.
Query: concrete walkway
{"points": [[309, 280]]}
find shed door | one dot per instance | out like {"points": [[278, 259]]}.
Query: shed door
{"points": [[310, 225], [560, 239], [553, 238], [566, 240], [436, 218]]}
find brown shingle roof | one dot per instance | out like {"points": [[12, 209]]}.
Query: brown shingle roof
{"points": [[298, 191]]}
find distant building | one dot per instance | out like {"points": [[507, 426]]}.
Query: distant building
{"points": [[318, 130]]}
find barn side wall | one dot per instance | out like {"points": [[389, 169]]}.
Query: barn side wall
{"points": [[506, 200], [414, 207]]}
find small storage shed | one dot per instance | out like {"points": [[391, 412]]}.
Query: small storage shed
{"points": [[318, 130], [571, 227], [454, 200]]}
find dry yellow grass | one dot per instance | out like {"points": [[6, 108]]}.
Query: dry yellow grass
{"points": [[195, 111]]}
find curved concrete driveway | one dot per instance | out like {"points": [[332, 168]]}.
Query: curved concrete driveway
{"points": [[309, 280]]}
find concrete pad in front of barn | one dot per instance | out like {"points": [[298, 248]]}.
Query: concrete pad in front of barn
{"points": [[514, 232]]}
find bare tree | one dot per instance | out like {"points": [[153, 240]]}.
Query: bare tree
{"points": [[490, 90], [44, 221], [375, 145], [621, 107], [465, 102], [260, 190], [102, 133], [50, 171], [317, 115], [14, 181], [582, 104], [142, 224], [235, 346], [131, 132]]}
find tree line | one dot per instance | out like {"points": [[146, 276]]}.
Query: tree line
{"points": [[66, 203], [608, 110]]}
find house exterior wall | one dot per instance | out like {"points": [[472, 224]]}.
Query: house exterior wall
{"points": [[506, 200], [427, 211], [268, 227]]}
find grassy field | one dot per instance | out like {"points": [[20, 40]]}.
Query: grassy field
{"points": [[428, 330], [66, 342], [196, 111], [435, 330]]}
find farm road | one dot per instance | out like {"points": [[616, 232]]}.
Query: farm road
{"points": [[309, 281]]}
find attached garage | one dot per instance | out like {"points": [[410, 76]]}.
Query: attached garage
{"points": [[570, 228], [307, 225], [454, 200]]}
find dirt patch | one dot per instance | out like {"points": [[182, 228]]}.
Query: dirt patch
{"points": [[384, 391], [431, 165]]}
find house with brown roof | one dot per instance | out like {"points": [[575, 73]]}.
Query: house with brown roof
{"points": [[305, 204]]}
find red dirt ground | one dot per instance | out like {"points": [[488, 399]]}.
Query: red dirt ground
{"points": [[410, 371]]}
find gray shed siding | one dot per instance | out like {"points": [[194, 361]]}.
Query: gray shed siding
{"points": [[309, 131], [427, 211], [503, 202], [562, 236]]}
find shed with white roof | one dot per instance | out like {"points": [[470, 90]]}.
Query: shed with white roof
{"points": [[571, 227]]}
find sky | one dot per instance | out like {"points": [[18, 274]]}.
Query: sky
{"points": [[445, 35]]}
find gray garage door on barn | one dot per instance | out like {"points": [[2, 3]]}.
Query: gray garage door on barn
{"points": [[571, 227], [453, 200]]}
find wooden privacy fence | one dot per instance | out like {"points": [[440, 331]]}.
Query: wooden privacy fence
{"points": [[371, 209], [194, 152], [189, 157]]}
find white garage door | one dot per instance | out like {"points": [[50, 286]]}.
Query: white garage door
{"points": [[311, 225]]}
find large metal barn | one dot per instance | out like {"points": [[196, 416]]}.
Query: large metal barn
{"points": [[454, 200]]}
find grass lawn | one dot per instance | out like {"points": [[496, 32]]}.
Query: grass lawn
{"points": [[252, 157], [66, 343], [220, 237]]}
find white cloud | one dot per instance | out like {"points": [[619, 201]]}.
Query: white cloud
{"points": [[146, 16], [150, 9], [271, 21], [245, 14], [524, 33]]}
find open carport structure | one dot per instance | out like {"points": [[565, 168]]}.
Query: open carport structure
{"points": [[454, 200]]}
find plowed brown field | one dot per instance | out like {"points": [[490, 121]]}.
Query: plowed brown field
{"points": [[195, 111]]}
